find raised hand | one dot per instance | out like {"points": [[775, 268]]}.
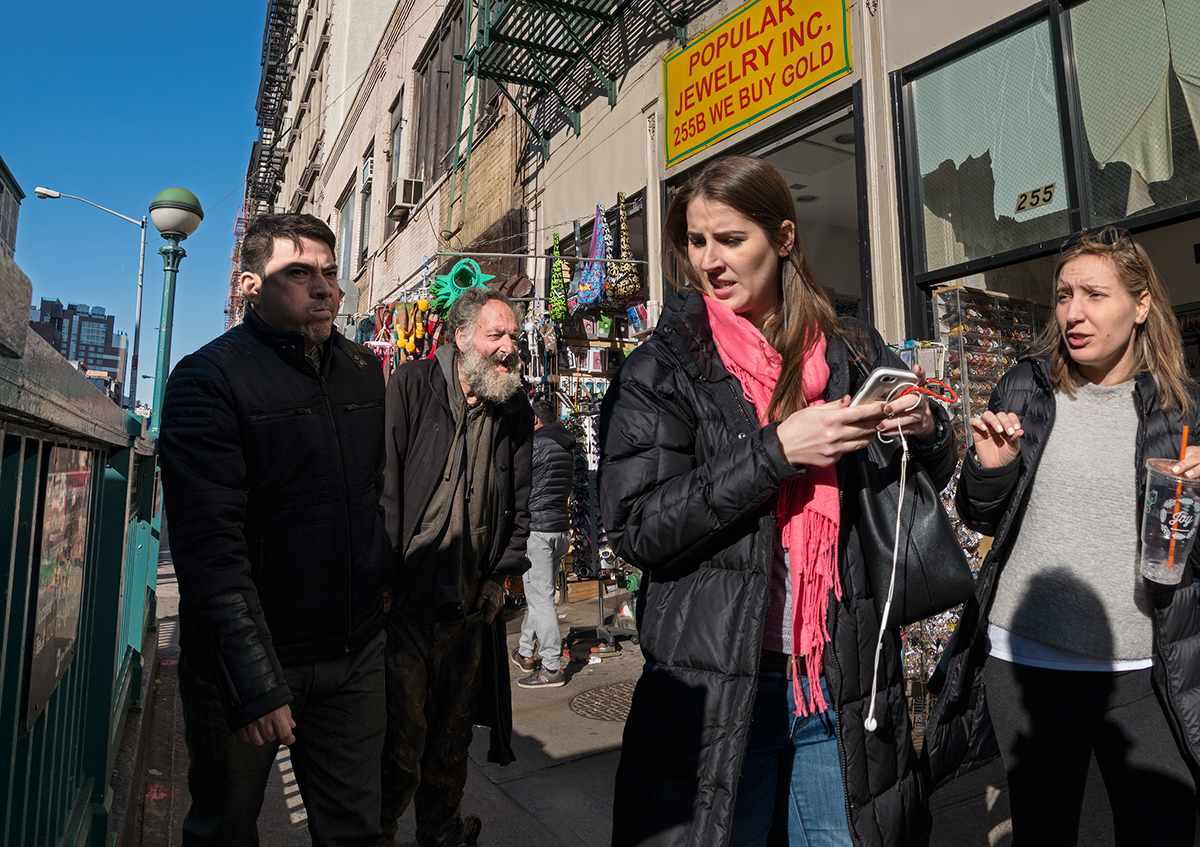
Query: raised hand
{"points": [[997, 438]]}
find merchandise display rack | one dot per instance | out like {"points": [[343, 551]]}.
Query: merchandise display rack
{"points": [[985, 332]]}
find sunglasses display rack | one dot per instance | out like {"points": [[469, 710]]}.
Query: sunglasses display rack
{"points": [[985, 332]]}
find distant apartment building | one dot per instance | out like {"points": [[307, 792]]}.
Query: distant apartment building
{"points": [[82, 334], [11, 196]]}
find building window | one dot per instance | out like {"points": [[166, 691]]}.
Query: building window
{"points": [[395, 170], [989, 152], [345, 230], [1140, 118], [397, 119], [366, 174], [439, 91]]}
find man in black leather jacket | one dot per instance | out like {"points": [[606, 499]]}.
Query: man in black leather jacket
{"points": [[272, 461]]}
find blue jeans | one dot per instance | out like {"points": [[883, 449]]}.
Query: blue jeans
{"points": [[791, 788]]}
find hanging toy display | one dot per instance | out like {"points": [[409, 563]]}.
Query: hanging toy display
{"points": [[576, 274], [592, 282], [449, 287], [624, 281], [558, 290], [400, 322], [383, 342]]}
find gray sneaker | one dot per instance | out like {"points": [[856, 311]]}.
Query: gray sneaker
{"points": [[524, 663], [544, 679]]}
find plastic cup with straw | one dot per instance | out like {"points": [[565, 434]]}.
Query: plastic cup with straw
{"points": [[1169, 518], [1178, 497]]}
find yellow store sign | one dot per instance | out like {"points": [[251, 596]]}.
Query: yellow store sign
{"points": [[765, 55]]}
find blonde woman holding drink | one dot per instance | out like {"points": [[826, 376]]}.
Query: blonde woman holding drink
{"points": [[1066, 650]]}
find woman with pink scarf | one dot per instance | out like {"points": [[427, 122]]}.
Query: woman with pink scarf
{"points": [[719, 477]]}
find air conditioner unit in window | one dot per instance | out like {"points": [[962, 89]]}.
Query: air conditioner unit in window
{"points": [[403, 196], [367, 168]]}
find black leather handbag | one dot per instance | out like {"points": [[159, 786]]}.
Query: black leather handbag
{"points": [[932, 574]]}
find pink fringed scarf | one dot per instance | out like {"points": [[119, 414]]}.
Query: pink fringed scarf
{"points": [[807, 509]]}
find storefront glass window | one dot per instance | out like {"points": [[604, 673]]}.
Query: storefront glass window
{"points": [[989, 151], [1137, 66]]}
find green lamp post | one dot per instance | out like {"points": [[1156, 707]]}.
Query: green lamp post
{"points": [[176, 213]]}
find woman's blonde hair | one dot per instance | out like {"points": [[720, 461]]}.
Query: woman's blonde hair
{"points": [[753, 187], [1158, 346]]}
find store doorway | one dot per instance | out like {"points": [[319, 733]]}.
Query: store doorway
{"points": [[821, 170]]}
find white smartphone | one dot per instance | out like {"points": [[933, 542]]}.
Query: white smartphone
{"points": [[882, 384]]}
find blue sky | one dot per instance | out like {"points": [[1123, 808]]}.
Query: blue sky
{"points": [[115, 102]]}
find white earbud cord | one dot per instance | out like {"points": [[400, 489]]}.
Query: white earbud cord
{"points": [[870, 723]]}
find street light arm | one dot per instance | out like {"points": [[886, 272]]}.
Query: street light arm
{"points": [[134, 221]]}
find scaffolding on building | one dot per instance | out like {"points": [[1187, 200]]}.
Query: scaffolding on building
{"points": [[269, 154], [235, 304]]}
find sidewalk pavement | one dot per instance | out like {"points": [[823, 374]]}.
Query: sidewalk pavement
{"points": [[567, 740]]}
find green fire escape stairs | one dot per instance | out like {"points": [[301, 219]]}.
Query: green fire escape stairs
{"points": [[538, 44]]}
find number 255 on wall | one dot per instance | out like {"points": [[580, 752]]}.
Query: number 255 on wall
{"points": [[1027, 200]]}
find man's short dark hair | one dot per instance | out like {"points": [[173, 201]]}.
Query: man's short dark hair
{"points": [[545, 411], [465, 311], [258, 244]]}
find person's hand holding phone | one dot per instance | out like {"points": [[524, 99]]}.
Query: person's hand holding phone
{"points": [[910, 413], [820, 435]]}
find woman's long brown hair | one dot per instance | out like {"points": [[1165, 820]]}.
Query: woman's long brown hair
{"points": [[757, 190], [1158, 346]]}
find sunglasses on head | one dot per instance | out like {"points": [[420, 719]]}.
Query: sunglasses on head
{"points": [[1109, 237]]}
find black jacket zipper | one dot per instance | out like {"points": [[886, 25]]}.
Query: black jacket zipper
{"points": [[341, 470]]}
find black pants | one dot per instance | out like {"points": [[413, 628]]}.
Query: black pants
{"points": [[432, 700], [340, 717], [1049, 722]]}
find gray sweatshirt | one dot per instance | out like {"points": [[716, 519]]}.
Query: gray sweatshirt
{"points": [[1072, 578]]}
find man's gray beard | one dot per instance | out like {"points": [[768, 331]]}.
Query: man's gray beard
{"points": [[488, 385]]}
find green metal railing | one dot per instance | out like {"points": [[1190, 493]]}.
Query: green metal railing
{"points": [[58, 749]]}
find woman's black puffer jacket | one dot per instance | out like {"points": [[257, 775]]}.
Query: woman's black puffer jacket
{"points": [[687, 480], [959, 737]]}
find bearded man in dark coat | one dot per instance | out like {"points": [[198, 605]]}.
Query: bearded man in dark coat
{"points": [[459, 439]]}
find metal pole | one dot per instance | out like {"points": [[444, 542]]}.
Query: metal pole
{"points": [[137, 324], [172, 254]]}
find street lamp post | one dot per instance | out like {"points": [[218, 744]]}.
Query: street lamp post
{"points": [[51, 194], [176, 213]]}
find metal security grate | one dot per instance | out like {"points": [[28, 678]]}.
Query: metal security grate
{"points": [[605, 703]]}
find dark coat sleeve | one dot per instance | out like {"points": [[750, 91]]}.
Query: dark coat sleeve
{"points": [[661, 505], [395, 436], [205, 493]]}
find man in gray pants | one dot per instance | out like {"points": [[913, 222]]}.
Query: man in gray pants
{"points": [[549, 540]]}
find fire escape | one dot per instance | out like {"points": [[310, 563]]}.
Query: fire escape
{"points": [[234, 303], [557, 50], [270, 153]]}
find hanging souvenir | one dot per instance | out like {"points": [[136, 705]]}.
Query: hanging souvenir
{"points": [[623, 281], [592, 283], [558, 290], [577, 274], [449, 287]]}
